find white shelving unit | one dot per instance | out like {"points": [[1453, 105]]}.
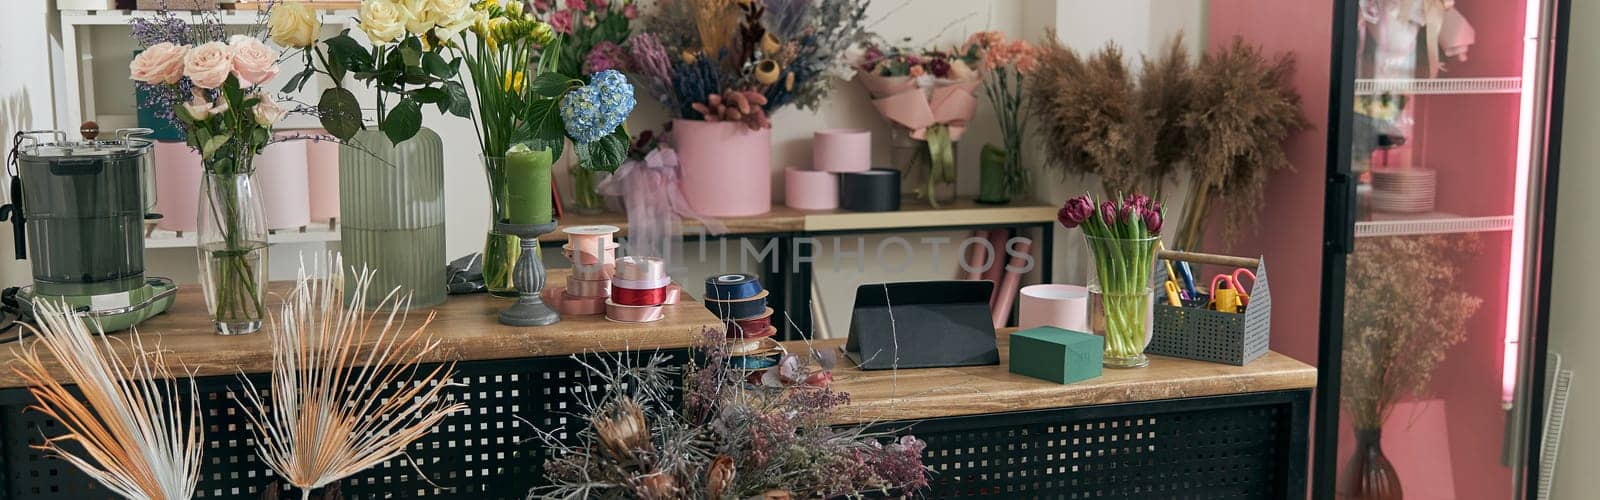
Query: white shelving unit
{"points": [[1430, 223], [78, 94], [1439, 86], [319, 232]]}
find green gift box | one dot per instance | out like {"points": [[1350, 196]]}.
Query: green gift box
{"points": [[1057, 355]]}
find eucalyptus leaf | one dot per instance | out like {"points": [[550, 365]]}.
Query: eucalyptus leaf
{"points": [[340, 112]]}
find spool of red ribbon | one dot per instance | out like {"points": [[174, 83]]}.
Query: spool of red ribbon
{"points": [[751, 328], [636, 297]]}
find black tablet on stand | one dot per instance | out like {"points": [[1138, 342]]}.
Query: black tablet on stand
{"points": [[922, 324]]}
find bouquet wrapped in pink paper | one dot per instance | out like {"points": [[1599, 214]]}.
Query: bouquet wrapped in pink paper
{"points": [[929, 96]]}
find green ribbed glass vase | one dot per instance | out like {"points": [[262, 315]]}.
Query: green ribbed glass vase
{"points": [[391, 205]]}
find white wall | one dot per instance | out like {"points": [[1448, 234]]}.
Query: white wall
{"points": [[25, 97], [1573, 316]]}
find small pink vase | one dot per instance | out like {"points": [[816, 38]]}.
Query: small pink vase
{"points": [[727, 168]]}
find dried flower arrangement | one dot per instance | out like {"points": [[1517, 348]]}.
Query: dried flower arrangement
{"points": [[731, 440], [139, 431], [726, 60], [348, 391], [1241, 111], [1404, 312], [1224, 119]]}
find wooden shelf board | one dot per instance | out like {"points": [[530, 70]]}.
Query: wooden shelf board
{"points": [[912, 394], [466, 327], [913, 214]]}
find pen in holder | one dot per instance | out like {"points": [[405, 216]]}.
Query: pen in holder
{"points": [[1193, 331], [528, 276]]}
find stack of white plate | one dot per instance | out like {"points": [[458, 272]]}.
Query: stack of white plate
{"points": [[1406, 190]]}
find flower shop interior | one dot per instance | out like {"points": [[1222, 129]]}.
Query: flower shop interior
{"points": [[781, 249]]}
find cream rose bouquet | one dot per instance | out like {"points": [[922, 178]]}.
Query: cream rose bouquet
{"points": [[409, 60]]}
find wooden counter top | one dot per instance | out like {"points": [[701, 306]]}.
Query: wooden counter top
{"points": [[913, 213], [466, 326], [911, 394]]}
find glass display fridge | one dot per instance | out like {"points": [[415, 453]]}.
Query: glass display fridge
{"points": [[1419, 297]]}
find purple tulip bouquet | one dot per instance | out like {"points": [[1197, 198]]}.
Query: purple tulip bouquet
{"points": [[1123, 236]]}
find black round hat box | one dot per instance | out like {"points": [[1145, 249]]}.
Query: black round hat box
{"points": [[876, 190]]}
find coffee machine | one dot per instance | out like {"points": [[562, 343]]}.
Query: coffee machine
{"points": [[81, 207]]}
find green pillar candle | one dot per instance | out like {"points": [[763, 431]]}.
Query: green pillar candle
{"points": [[528, 185]]}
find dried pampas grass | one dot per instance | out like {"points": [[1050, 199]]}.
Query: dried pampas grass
{"points": [[1086, 109], [1241, 111], [141, 435], [349, 391]]}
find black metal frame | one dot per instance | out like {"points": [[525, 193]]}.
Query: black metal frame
{"points": [[1339, 241], [1251, 445], [1535, 363], [788, 276], [488, 451]]}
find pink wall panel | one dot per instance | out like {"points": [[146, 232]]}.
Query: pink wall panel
{"points": [[1289, 233]]}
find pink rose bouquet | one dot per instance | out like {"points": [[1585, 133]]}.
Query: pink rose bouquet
{"points": [[227, 118]]}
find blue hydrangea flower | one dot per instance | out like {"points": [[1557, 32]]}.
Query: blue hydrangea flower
{"points": [[595, 110]]}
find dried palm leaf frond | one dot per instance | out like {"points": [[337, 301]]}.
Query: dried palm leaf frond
{"points": [[348, 388], [141, 435]]}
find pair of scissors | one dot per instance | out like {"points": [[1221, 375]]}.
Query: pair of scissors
{"points": [[1174, 298], [1230, 282]]}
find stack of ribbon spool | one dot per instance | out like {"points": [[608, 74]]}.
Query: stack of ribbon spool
{"points": [[742, 304], [639, 290], [594, 261]]}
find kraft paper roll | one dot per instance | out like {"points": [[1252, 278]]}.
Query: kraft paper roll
{"points": [[727, 168], [284, 180], [876, 190], [810, 190], [178, 173], [841, 150], [1061, 306], [322, 173], [1007, 288]]}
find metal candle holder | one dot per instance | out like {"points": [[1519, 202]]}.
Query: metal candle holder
{"points": [[528, 275]]}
